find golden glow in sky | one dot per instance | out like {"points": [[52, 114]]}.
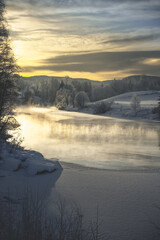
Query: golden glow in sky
{"points": [[99, 40]]}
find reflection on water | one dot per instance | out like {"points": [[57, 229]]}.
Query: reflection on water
{"points": [[91, 140]]}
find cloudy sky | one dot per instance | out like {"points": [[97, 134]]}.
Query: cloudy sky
{"points": [[96, 39]]}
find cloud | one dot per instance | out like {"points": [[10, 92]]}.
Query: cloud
{"points": [[102, 62], [65, 3], [81, 5], [133, 39], [88, 16], [87, 29]]}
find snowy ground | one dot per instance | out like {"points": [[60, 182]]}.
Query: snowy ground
{"points": [[121, 108], [20, 169]]}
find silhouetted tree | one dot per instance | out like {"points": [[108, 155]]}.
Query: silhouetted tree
{"points": [[7, 78]]}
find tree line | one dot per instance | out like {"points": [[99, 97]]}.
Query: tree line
{"points": [[68, 92]]}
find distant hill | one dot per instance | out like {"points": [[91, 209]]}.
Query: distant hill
{"points": [[45, 77], [140, 77]]}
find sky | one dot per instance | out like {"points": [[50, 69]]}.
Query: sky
{"points": [[95, 39]]}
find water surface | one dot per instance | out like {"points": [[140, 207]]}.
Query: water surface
{"points": [[91, 140]]}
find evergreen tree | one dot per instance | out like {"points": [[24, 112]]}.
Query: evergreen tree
{"points": [[8, 69]]}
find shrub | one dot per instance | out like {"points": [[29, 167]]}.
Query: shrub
{"points": [[102, 107]]}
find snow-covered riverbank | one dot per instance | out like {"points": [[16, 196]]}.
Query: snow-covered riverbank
{"points": [[21, 168]]}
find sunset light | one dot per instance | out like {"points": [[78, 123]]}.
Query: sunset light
{"points": [[89, 40]]}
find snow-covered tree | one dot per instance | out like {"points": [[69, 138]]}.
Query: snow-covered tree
{"points": [[135, 103], [81, 99], [61, 99]]}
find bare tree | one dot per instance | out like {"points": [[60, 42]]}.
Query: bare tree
{"points": [[8, 69]]}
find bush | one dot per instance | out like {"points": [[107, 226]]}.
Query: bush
{"points": [[102, 107]]}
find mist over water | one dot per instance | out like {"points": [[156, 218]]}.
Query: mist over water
{"points": [[91, 141]]}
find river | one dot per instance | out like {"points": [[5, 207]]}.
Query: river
{"points": [[90, 140]]}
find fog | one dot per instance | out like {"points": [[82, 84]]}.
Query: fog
{"points": [[91, 141]]}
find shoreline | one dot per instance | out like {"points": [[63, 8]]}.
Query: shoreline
{"points": [[129, 170], [115, 117], [72, 113]]}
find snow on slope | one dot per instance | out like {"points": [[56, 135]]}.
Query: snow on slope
{"points": [[121, 107]]}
